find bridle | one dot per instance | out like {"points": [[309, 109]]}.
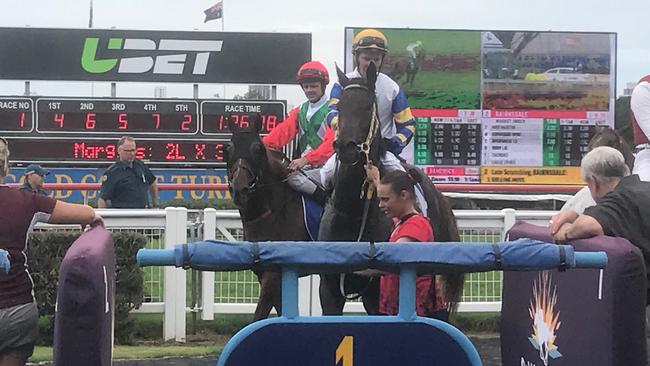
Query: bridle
{"points": [[364, 147], [234, 171], [367, 190]]}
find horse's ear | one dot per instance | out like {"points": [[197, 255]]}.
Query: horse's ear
{"points": [[343, 80], [255, 121], [371, 74], [233, 127]]}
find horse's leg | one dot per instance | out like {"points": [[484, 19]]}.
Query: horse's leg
{"points": [[331, 300], [370, 297], [270, 295]]}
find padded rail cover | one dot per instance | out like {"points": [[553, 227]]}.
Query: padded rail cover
{"points": [[5, 265], [320, 257], [83, 328], [572, 318]]}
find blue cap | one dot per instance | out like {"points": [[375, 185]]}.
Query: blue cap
{"points": [[36, 169]]}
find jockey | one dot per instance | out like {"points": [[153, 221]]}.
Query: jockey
{"points": [[640, 104], [412, 51], [396, 121], [307, 123]]}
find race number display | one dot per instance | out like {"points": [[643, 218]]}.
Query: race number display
{"points": [[16, 115]]}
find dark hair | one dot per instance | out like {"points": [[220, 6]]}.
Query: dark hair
{"points": [[606, 136], [402, 181]]}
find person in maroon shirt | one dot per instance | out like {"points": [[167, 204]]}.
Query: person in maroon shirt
{"points": [[19, 211], [396, 193]]}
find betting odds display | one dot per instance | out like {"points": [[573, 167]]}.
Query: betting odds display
{"points": [[501, 107], [81, 131]]}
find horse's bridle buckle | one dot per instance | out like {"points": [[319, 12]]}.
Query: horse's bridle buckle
{"points": [[365, 148]]}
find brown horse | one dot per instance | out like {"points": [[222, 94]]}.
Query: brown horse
{"points": [[410, 68], [269, 208], [348, 216]]}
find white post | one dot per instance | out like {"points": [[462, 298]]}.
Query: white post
{"points": [[316, 309], [509, 219], [207, 277], [174, 278], [304, 295]]}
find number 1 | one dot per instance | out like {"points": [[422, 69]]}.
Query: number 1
{"points": [[345, 351]]}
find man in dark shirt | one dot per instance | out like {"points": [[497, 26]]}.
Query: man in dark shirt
{"points": [[126, 182], [622, 204], [34, 179]]}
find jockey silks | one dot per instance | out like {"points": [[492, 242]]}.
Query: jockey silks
{"points": [[640, 104]]}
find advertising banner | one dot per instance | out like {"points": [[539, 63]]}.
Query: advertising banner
{"points": [[153, 56]]}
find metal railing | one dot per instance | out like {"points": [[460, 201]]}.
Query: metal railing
{"points": [[236, 292]]}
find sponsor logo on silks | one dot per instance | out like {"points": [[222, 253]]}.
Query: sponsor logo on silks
{"points": [[546, 321], [172, 64]]}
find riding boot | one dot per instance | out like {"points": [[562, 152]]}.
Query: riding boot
{"points": [[320, 195]]}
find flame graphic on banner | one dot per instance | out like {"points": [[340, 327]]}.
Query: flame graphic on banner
{"points": [[545, 319]]}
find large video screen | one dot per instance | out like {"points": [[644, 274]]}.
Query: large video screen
{"points": [[501, 107]]}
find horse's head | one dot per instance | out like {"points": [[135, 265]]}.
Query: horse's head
{"points": [[246, 160], [358, 124]]}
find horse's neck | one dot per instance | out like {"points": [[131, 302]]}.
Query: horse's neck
{"points": [[270, 214], [347, 189]]}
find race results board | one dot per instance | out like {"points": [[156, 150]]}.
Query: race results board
{"points": [[167, 132]]}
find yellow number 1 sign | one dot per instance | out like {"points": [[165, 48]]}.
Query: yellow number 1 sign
{"points": [[345, 351]]}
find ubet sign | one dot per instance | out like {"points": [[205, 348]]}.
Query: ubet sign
{"points": [[160, 63]]}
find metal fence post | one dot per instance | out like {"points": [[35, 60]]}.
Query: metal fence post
{"points": [[509, 218], [174, 283], [207, 277]]}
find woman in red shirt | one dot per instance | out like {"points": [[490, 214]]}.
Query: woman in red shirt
{"points": [[19, 212], [396, 193]]}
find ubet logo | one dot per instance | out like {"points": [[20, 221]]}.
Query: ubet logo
{"points": [[161, 64]]}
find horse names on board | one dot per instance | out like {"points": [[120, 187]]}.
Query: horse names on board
{"points": [[503, 146], [448, 144]]}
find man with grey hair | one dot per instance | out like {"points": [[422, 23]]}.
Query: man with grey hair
{"points": [[125, 184], [622, 203]]}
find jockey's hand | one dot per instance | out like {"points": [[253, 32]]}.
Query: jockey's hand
{"points": [[372, 175], [298, 164]]}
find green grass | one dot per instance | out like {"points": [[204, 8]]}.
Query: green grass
{"points": [[435, 41], [444, 90], [42, 354]]}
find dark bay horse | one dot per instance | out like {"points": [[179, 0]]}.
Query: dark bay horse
{"points": [[359, 140], [269, 208]]}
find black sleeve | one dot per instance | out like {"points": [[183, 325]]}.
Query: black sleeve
{"points": [[108, 185], [610, 212], [148, 175]]}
